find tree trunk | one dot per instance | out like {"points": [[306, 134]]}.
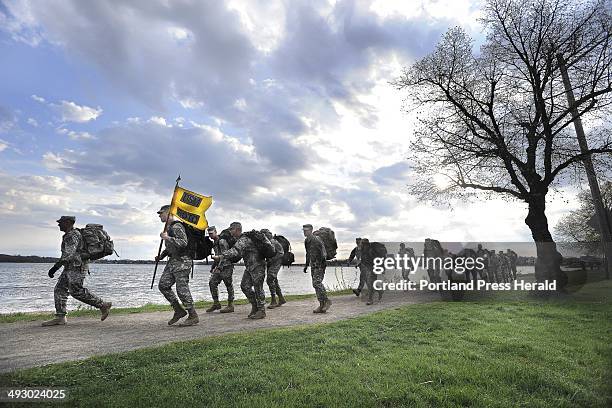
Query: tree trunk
{"points": [[548, 263]]}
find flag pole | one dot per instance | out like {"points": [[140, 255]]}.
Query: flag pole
{"points": [[165, 228]]}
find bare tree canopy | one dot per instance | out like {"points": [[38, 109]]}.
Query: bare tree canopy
{"points": [[498, 120]]}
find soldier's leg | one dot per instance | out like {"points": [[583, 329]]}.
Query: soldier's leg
{"points": [[362, 278], [318, 273], [371, 277], [228, 280], [60, 293], [258, 276], [270, 280], [165, 285], [182, 287], [213, 284], [246, 284], [77, 291]]}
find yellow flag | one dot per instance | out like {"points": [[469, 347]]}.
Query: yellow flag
{"points": [[190, 207]]}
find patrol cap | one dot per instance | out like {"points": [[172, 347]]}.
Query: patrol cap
{"points": [[163, 208], [70, 218], [307, 226]]}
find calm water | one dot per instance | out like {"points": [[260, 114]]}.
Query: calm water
{"points": [[27, 288]]}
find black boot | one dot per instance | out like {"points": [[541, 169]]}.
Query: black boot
{"points": [[179, 313], [253, 309]]}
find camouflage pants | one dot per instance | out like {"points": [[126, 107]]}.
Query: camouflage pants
{"points": [[224, 275], [317, 271], [70, 282], [492, 272], [252, 286], [371, 277], [176, 271], [362, 277], [272, 277]]}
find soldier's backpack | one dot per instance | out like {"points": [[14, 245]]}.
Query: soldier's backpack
{"points": [[378, 250], [262, 243], [227, 236], [199, 245], [288, 257], [329, 240], [96, 242]]}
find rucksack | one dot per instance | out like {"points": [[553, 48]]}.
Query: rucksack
{"points": [[288, 257], [199, 245], [228, 237], [378, 249], [96, 242], [329, 240], [262, 243]]}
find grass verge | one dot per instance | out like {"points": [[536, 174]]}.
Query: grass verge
{"points": [[487, 352]]}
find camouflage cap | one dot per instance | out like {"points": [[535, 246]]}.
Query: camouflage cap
{"points": [[70, 218], [163, 208], [307, 226]]}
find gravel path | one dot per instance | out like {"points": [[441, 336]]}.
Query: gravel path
{"points": [[28, 344]]}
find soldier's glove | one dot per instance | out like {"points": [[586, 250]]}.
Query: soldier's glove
{"points": [[305, 269], [54, 269]]}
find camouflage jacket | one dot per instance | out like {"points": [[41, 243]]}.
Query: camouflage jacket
{"points": [[177, 243], [220, 246], [72, 244], [315, 250], [245, 248]]}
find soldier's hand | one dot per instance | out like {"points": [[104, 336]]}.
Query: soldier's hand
{"points": [[305, 269], [52, 272], [164, 236]]}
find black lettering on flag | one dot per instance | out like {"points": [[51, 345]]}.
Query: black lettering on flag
{"points": [[191, 199], [187, 216]]}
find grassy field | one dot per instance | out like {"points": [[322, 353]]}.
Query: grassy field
{"points": [[514, 352], [150, 307]]}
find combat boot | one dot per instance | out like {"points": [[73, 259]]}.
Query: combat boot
{"points": [[281, 300], [253, 310], [326, 305], [179, 313], [215, 306], [370, 301], [259, 314], [56, 321], [192, 320], [105, 309], [273, 303], [229, 308], [320, 308], [357, 292]]}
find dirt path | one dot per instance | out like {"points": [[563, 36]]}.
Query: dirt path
{"points": [[28, 344]]}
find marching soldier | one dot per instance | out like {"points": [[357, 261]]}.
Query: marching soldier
{"points": [[272, 267], [220, 272], [316, 256], [254, 269], [73, 275], [356, 254], [177, 270]]}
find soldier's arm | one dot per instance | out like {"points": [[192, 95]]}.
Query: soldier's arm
{"points": [[234, 252], [180, 236], [352, 255], [223, 246]]}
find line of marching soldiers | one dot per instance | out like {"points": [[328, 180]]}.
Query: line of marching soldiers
{"points": [[228, 249]]}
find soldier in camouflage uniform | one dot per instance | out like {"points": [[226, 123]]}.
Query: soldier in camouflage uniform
{"points": [[177, 270], [73, 275], [356, 254], [513, 258], [254, 269], [493, 266], [221, 272], [272, 267], [316, 256]]}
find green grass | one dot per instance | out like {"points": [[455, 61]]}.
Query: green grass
{"points": [[149, 307], [518, 351]]}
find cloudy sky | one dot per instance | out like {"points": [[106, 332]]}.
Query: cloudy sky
{"points": [[281, 110]]}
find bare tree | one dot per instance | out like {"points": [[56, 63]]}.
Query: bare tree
{"points": [[498, 121], [576, 230]]}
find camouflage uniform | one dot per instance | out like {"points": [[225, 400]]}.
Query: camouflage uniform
{"points": [[492, 267], [73, 275], [356, 254], [178, 267], [273, 266], [222, 272], [254, 270], [315, 257]]}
